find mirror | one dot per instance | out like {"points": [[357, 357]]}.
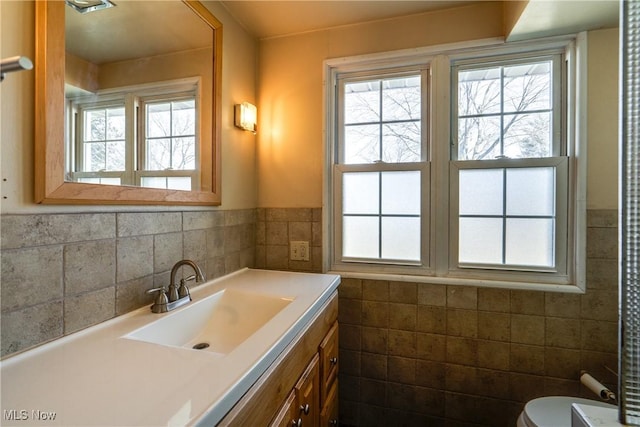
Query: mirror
{"points": [[144, 121]]}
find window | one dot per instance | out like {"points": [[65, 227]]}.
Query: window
{"points": [[455, 165], [381, 171], [146, 137]]}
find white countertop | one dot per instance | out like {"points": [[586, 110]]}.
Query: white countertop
{"points": [[96, 377]]}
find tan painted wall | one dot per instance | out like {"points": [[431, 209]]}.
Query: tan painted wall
{"points": [[239, 183], [602, 120], [290, 149], [290, 153]]}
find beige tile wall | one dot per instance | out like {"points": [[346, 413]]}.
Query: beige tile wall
{"points": [[435, 355], [276, 227], [64, 272]]}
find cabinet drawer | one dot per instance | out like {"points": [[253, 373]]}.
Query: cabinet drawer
{"points": [[288, 412], [307, 391], [329, 415], [328, 362]]}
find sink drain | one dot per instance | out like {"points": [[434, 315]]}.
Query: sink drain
{"points": [[201, 346]]}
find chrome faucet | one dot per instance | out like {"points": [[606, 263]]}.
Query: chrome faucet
{"points": [[176, 296]]}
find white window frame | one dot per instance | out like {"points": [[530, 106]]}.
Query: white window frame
{"points": [[441, 268], [133, 98]]}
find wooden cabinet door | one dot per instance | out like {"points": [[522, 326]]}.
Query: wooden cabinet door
{"points": [[288, 414], [308, 394], [329, 414], [328, 362]]}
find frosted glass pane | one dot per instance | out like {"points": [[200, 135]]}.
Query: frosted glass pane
{"points": [[530, 242], [153, 182], [527, 87], [527, 135], [401, 99], [479, 138], [360, 237], [401, 193], [401, 142], [531, 191], [179, 183], [401, 238], [481, 191], [480, 241], [361, 144], [362, 102], [360, 193]]}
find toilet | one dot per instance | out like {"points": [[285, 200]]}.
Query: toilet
{"points": [[552, 411]]}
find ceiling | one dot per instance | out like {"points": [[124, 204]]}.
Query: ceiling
{"points": [[272, 18]]}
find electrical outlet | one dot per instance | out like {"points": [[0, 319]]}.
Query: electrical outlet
{"points": [[299, 250]]}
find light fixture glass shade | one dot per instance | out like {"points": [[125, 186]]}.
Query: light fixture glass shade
{"points": [[86, 6], [245, 116]]}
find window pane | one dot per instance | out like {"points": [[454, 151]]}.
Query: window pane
{"points": [[94, 157], [530, 242], [179, 183], [95, 125], [401, 193], [401, 238], [479, 138], [362, 102], [527, 135], [360, 193], [108, 181], [362, 144], [479, 91], [115, 123], [401, 142], [184, 154], [531, 191], [527, 87], [115, 156], [158, 120], [481, 191], [480, 240], [154, 181], [360, 237], [158, 154], [401, 99], [184, 114]]}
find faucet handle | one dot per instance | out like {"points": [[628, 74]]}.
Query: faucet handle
{"points": [[160, 304], [183, 290]]}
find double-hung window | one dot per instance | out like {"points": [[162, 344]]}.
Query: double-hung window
{"points": [[144, 136], [458, 168], [382, 169]]}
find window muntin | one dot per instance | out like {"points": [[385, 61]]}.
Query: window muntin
{"points": [[559, 263], [147, 138], [507, 111], [379, 176]]}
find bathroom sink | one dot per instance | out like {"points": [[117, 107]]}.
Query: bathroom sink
{"points": [[216, 324]]}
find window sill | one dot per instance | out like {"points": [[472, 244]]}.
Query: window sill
{"points": [[481, 283]]}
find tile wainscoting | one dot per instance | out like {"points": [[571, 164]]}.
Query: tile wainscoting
{"points": [[65, 272], [411, 353], [433, 355]]}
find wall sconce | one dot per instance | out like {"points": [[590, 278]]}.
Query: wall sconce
{"points": [[245, 116], [86, 6]]}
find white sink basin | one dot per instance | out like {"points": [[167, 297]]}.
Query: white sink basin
{"points": [[216, 324]]}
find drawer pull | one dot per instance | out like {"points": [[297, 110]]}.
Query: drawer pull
{"points": [[305, 408], [333, 360], [333, 422], [297, 423]]}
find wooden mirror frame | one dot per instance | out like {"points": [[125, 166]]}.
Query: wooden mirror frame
{"points": [[49, 156]]}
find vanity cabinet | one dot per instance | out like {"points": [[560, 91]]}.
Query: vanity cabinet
{"points": [[299, 389]]}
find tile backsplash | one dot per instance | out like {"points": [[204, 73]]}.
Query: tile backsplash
{"points": [[436, 355], [65, 272], [411, 353]]}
